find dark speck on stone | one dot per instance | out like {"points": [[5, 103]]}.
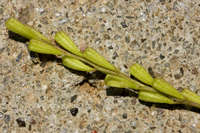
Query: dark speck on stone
{"points": [[129, 17], [19, 57], [7, 118], [39, 25], [29, 127], [127, 39], [125, 66], [20, 122], [176, 51], [1, 114], [110, 47], [34, 58], [195, 71], [74, 111], [152, 128], [143, 40], [134, 101], [115, 55], [162, 1], [116, 37], [124, 25], [179, 75], [106, 37], [124, 116], [181, 71], [69, 29], [162, 56], [169, 49], [89, 110], [109, 29], [115, 101], [73, 98], [1, 50], [66, 15], [150, 70], [42, 97], [43, 64]]}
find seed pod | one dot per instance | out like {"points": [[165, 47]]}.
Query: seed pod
{"points": [[42, 47], [154, 97], [141, 74], [96, 58], [24, 30], [64, 40], [76, 64], [164, 87], [119, 82], [191, 96]]}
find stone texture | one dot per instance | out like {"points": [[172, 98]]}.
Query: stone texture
{"points": [[36, 92]]}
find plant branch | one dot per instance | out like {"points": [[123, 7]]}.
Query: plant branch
{"points": [[149, 89]]}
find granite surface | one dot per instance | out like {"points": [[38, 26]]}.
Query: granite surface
{"points": [[39, 95]]}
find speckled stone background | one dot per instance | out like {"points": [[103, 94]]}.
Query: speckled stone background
{"points": [[39, 95]]}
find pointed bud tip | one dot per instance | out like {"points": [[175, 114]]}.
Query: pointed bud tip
{"points": [[154, 97], [166, 88], [64, 40], [141, 74], [43, 47], [76, 64], [120, 82], [93, 56]]}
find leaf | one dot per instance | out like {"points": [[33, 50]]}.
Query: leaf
{"points": [[64, 40], [24, 30], [164, 87], [119, 82], [141, 74], [191, 96], [96, 58], [42, 47], [76, 64], [154, 97]]}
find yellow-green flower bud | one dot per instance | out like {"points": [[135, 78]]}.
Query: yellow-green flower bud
{"points": [[43, 47], [64, 40], [164, 87], [96, 58], [154, 97], [24, 30], [76, 64], [119, 82], [141, 74], [191, 96]]}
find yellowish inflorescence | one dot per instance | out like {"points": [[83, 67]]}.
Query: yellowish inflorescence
{"points": [[155, 90]]}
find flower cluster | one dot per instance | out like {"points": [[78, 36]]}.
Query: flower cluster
{"points": [[155, 90]]}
